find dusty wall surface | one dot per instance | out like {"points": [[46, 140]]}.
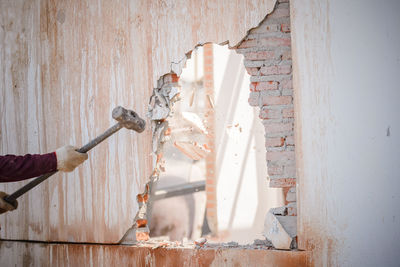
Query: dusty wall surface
{"points": [[346, 69], [64, 66], [34, 254]]}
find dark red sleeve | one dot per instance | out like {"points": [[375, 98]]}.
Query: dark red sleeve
{"points": [[16, 168]]}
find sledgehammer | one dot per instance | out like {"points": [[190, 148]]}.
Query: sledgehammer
{"points": [[126, 119]]}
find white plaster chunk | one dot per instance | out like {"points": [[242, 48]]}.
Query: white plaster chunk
{"points": [[158, 134], [279, 211], [174, 91], [289, 223], [159, 113], [291, 195], [259, 242], [276, 233]]}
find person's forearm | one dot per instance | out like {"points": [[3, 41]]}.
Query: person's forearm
{"points": [[16, 168]]}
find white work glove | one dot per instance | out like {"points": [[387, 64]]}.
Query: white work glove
{"points": [[68, 158], [4, 205]]}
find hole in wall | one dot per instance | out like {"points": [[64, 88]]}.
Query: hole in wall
{"points": [[267, 51], [211, 155]]}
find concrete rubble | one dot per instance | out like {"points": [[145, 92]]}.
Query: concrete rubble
{"points": [[279, 211], [281, 230], [202, 243], [291, 195]]}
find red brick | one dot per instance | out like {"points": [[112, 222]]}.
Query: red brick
{"points": [[260, 55], [282, 182], [208, 52], [254, 99], [269, 113], [287, 55], [286, 84], [141, 222], [253, 86], [210, 181], [208, 68], [261, 86], [142, 236], [285, 69], [208, 76], [210, 188], [208, 61], [275, 41], [142, 197], [285, 27], [253, 71], [211, 196], [175, 78], [288, 113], [280, 155], [274, 141], [279, 13], [248, 43], [267, 28], [273, 70], [275, 170], [270, 85], [290, 170], [278, 127], [211, 205], [276, 100], [290, 141]]}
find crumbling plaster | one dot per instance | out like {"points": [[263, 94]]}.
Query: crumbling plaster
{"points": [[64, 66]]}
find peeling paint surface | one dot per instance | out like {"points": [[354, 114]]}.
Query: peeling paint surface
{"points": [[64, 66]]}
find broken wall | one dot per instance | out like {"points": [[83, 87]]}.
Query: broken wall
{"points": [[64, 66], [346, 68], [268, 59]]}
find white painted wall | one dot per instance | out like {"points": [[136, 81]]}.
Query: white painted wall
{"points": [[346, 73], [64, 65]]}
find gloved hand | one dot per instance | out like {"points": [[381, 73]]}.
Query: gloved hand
{"points": [[68, 158], [4, 205]]}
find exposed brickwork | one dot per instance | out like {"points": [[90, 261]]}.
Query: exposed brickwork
{"points": [[267, 54], [211, 193]]}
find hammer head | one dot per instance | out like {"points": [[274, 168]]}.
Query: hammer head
{"points": [[129, 119]]}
